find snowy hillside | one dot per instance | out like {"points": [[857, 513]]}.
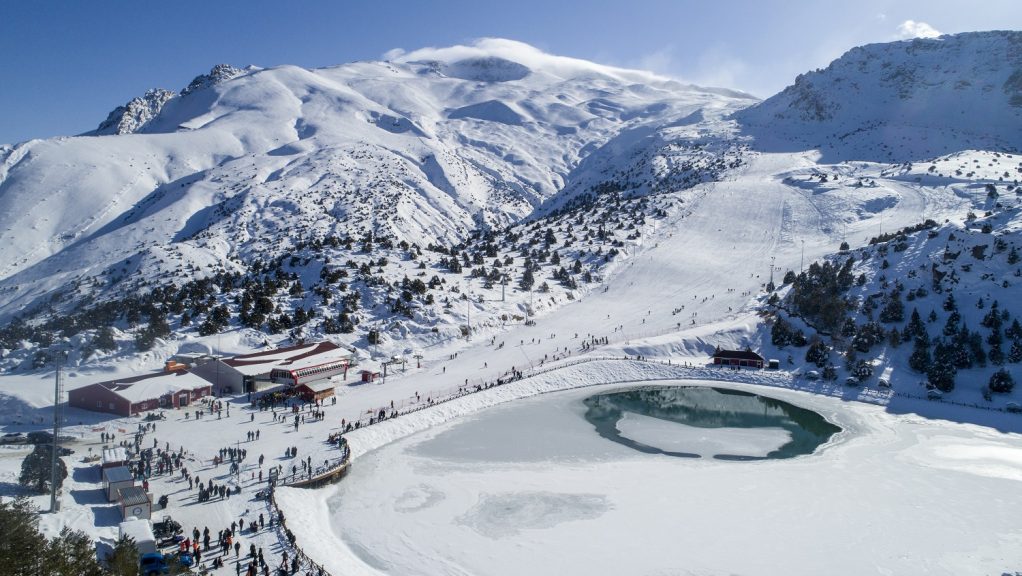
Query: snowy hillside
{"points": [[904, 101], [426, 147], [396, 204]]}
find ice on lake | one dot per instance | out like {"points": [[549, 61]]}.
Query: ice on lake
{"points": [[707, 442]]}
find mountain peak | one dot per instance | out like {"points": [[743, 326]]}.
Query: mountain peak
{"points": [[140, 111], [501, 59], [219, 73], [967, 87], [134, 115]]}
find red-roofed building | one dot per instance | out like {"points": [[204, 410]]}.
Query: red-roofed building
{"points": [[130, 396], [293, 365], [745, 357]]}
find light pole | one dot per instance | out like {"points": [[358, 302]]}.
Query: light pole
{"points": [[55, 447]]}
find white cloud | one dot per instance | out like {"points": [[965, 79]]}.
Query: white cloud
{"points": [[912, 29], [659, 61], [519, 52]]}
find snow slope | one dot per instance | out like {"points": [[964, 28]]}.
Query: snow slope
{"points": [[903, 101], [238, 163]]}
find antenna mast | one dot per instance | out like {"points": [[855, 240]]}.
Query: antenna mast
{"points": [[58, 393]]}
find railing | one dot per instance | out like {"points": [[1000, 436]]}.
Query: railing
{"points": [[288, 542], [337, 466], [319, 475]]}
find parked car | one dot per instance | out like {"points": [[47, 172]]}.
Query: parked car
{"points": [[812, 375], [152, 564], [884, 383], [13, 438], [934, 394], [1013, 407], [851, 381], [44, 437]]}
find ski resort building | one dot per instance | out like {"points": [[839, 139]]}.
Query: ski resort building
{"points": [[136, 394], [314, 391], [134, 502], [114, 479], [293, 366], [744, 358]]}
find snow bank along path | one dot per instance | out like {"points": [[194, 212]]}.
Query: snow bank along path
{"points": [[315, 536], [942, 448]]}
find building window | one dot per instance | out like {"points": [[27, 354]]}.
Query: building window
{"points": [[111, 405], [99, 403]]}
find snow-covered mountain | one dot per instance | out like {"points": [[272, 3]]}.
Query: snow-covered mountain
{"points": [[425, 147], [135, 116], [904, 101], [370, 198]]}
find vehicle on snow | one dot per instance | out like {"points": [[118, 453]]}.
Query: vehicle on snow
{"points": [[13, 438], [166, 528], [152, 564]]}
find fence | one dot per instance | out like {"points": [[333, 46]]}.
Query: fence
{"points": [[338, 466]]}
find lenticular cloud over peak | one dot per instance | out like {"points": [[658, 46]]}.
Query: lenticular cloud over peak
{"points": [[521, 53]]}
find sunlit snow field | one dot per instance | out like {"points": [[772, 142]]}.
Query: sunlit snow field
{"points": [[530, 488]]}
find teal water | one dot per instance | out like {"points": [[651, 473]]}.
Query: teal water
{"points": [[706, 407]]}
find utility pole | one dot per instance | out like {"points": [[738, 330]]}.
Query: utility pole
{"points": [[58, 392], [528, 311], [772, 258]]}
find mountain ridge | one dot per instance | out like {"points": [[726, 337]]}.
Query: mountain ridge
{"points": [[346, 184]]}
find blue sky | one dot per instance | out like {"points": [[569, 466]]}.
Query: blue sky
{"points": [[65, 65]]}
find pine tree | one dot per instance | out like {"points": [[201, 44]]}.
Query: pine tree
{"points": [[72, 553], [817, 354], [123, 559], [893, 310], [920, 358], [22, 542], [1015, 353], [1001, 382], [35, 469], [949, 303], [105, 339], [915, 327], [942, 371]]}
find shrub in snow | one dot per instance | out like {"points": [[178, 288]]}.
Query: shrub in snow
{"points": [[1001, 382]]}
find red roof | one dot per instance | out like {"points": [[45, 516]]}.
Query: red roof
{"points": [[268, 356]]}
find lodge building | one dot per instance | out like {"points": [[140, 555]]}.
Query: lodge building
{"points": [[741, 358]]}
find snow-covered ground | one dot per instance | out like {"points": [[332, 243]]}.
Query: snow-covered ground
{"points": [[529, 487], [910, 487]]}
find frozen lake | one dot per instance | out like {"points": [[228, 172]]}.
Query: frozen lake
{"points": [[705, 422], [531, 487]]}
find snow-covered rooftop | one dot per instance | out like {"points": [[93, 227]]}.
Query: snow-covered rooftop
{"points": [[154, 385], [290, 358]]}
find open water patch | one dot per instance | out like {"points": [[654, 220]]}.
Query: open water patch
{"points": [[699, 421]]}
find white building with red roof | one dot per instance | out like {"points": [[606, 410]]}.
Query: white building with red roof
{"points": [[293, 365]]}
